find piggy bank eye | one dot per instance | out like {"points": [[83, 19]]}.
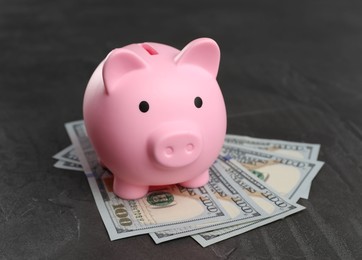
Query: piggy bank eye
{"points": [[144, 106], [198, 102]]}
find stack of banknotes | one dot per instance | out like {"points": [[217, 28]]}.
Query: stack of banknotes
{"points": [[252, 183]]}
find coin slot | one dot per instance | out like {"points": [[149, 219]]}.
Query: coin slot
{"points": [[149, 49]]}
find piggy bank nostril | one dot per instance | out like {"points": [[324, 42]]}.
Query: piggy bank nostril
{"points": [[169, 151], [189, 148]]}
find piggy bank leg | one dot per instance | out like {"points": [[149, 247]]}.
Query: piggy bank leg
{"points": [[199, 181], [128, 191]]}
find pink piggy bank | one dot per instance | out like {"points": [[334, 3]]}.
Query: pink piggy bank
{"points": [[156, 116]]}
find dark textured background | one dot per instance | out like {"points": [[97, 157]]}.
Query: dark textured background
{"points": [[290, 70]]}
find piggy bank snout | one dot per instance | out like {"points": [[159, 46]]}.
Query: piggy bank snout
{"points": [[175, 147]]}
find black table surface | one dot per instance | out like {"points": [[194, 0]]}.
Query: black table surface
{"points": [[289, 70]]}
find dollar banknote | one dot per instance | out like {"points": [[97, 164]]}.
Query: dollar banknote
{"points": [[68, 166], [240, 207], [68, 159], [67, 154], [266, 197], [82, 146], [290, 177], [159, 210], [296, 150]]}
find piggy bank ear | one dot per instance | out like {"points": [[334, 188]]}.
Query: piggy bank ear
{"points": [[118, 63], [203, 52]]}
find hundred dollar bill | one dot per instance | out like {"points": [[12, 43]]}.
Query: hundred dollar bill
{"points": [[158, 210], [68, 154], [68, 166], [288, 176], [67, 159], [240, 207], [296, 150], [266, 197], [82, 147]]}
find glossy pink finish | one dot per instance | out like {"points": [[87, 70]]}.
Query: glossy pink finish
{"points": [[156, 116]]}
